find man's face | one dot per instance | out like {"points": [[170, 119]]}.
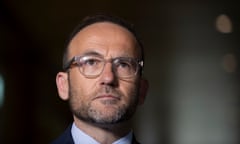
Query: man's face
{"points": [[105, 99]]}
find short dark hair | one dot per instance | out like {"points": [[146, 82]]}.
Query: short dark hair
{"points": [[102, 18]]}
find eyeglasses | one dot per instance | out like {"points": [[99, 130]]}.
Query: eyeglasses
{"points": [[91, 66]]}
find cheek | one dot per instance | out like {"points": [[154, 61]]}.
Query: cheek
{"points": [[130, 90], [80, 85], [79, 94]]}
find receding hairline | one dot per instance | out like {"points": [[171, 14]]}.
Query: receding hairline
{"points": [[89, 21], [92, 29]]}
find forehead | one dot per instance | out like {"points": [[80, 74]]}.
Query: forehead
{"points": [[103, 26], [105, 34]]}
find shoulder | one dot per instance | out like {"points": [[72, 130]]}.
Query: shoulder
{"points": [[65, 137]]}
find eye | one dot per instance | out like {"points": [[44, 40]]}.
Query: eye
{"points": [[91, 62], [123, 64]]}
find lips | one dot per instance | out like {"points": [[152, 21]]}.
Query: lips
{"points": [[107, 96]]}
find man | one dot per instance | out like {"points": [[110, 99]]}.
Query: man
{"points": [[102, 81]]}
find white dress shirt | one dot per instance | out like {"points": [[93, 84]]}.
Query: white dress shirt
{"points": [[79, 137]]}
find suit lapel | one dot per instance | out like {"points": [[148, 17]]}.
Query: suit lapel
{"points": [[134, 141], [65, 138]]}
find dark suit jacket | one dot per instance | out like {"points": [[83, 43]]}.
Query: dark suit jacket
{"points": [[66, 138]]}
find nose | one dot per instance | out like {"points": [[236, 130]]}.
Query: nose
{"points": [[108, 76]]}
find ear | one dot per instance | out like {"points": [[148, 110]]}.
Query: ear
{"points": [[143, 89], [62, 85]]}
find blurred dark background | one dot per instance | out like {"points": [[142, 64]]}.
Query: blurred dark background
{"points": [[192, 63]]}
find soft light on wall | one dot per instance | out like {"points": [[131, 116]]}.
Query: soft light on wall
{"points": [[1, 91]]}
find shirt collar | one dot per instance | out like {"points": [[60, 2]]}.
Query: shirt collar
{"points": [[79, 137]]}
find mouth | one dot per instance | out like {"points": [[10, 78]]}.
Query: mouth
{"points": [[107, 97]]}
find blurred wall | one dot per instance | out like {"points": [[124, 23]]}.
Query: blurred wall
{"points": [[192, 63]]}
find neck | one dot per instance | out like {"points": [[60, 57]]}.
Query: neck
{"points": [[104, 134]]}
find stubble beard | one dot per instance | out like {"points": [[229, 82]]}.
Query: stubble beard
{"points": [[86, 111]]}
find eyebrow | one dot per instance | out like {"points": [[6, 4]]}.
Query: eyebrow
{"points": [[92, 53]]}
